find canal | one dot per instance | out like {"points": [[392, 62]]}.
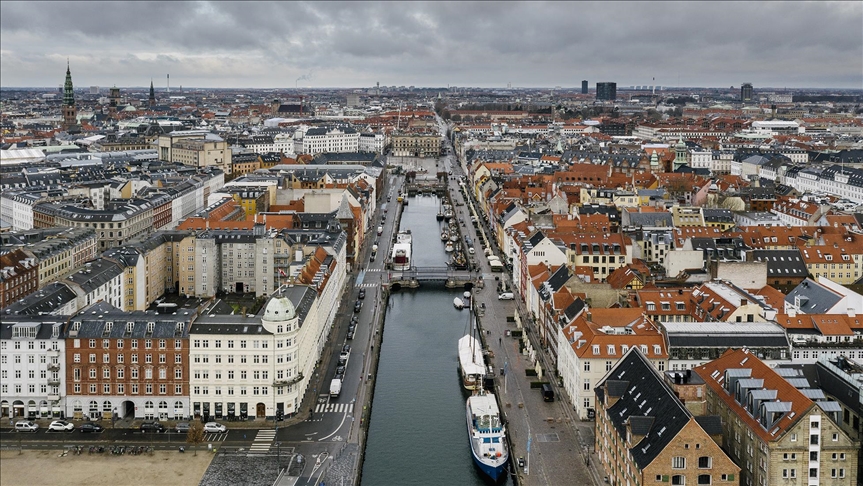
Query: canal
{"points": [[417, 432]]}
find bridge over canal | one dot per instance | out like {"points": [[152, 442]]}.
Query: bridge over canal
{"points": [[416, 276]]}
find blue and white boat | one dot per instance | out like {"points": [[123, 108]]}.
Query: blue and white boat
{"points": [[487, 435]]}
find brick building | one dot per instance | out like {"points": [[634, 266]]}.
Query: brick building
{"points": [[778, 428], [19, 276], [132, 364], [646, 436]]}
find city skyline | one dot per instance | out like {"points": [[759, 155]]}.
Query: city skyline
{"points": [[287, 45]]}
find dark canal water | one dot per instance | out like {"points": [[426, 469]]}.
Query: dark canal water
{"points": [[417, 434]]}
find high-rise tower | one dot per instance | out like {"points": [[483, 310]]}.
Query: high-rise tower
{"points": [[70, 113], [746, 92]]}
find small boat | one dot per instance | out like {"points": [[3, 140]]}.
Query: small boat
{"points": [[487, 435], [466, 296], [448, 214], [439, 216], [444, 235], [449, 247], [457, 303], [453, 236]]}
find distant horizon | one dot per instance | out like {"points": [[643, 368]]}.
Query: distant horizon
{"points": [[626, 87]]}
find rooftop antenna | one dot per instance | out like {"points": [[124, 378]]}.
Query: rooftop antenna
{"points": [[169, 83]]}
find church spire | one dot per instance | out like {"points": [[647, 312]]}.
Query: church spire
{"points": [[152, 94], [68, 92]]}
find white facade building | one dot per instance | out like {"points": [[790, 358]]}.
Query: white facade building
{"points": [[32, 367]]}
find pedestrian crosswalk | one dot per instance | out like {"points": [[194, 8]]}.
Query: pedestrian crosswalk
{"points": [[216, 437], [334, 407], [373, 270], [366, 285], [262, 443]]}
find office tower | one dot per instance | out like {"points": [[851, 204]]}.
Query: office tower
{"points": [[746, 92], [584, 86], [606, 91]]}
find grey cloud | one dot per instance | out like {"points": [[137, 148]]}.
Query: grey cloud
{"points": [[433, 43]]}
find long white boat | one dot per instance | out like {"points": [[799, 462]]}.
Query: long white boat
{"points": [[402, 250], [487, 435], [470, 362]]}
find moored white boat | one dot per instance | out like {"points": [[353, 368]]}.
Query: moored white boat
{"points": [[470, 362], [487, 435], [402, 249], [449, 247], [458, 303]]}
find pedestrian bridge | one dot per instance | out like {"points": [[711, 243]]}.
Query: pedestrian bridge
{"points": [[416, 276]]}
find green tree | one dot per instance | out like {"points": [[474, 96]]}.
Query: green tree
{"points": [[195, 435]]}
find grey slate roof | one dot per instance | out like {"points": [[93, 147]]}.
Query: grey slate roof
{"points": [[302, 296], [782, 263], [814, 298], [92, 322], [646, 395], [45, 300]]}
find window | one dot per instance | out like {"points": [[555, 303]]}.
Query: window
{"points": [[813, 439], [678, 479], [587, 365], [813, 472], [678, 462], [704, 479], [586, 385], [704, 462], [835, 438]]}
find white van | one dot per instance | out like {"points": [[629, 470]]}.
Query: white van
{"points": [[380, 230], [26, 426], [506, 296]]}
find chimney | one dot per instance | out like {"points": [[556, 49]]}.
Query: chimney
{"points": [[743, 302], [852, 312]]}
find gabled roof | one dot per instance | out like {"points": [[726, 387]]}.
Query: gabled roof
{"points": [[642, 395], [720, 376]]}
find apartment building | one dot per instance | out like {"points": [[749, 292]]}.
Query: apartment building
{"points": [[58, 251], [601, 253], [326, 139], [646, 436], [416, 144], [593, 342], [841, 379], [32, 367], [776, 426], [127, 364], [19, 276], [257, 367], [196, 148]]}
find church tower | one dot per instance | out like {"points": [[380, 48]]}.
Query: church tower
{"points": [[70, 113], [679, 154], [152, 96]]}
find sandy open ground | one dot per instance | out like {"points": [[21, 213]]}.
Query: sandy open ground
{"points": [[36, 468]]}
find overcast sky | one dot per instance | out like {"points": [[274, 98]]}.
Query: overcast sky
{"points": [[487, 44]]}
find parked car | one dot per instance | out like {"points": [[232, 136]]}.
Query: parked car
{"points": [[357, 306], [152, 426], [61, 426], [340, 372], [346, 348], [26, 426], [362, 294], [214, 427], [182, 427], [350, 334], [506, 296], [88, 427]]}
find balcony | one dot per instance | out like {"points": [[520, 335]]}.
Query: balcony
{"points": [[53, 398], [53, 366], [289, 381], [54, 381], [53, 353]]}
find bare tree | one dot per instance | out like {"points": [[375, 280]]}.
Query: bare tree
{"points": [[195, 435]]}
